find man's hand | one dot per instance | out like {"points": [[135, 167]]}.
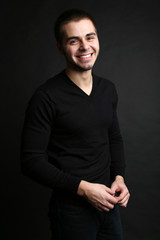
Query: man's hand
{"points": [[119, 187], [100, 196]]}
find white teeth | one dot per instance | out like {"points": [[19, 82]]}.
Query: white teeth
{"points": [[86, 56]]}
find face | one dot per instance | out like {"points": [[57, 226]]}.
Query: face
{"points": [[80, 44]]}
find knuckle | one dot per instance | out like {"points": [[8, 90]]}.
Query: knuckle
{"points": [[112, 206], [107, 209]]}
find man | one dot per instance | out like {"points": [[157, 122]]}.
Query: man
{"points": [[71, 140]]}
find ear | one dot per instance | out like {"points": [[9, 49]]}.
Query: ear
{"points": [[59, 47]]}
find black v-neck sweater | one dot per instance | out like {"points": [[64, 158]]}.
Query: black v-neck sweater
{"points": [[69, 136]]}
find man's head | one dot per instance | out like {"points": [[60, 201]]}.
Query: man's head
{"points": [[69, 16], [77, 39]]}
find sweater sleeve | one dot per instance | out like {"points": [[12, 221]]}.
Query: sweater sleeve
{"points": [[36, 132], [116, 143]]}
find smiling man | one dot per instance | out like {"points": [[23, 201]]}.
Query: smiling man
{"points": [[71, 140], [79, 46]]}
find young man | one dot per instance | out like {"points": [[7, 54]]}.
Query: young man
{"points": [[71, 139]]}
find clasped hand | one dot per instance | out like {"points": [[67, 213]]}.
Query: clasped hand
{"points": [[102, 197]]}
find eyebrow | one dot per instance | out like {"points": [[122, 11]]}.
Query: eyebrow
{"points": [[77, 37]]}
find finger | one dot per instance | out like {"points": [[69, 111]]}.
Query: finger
{"points": [[111, 199], [107, 204], [126, 197], [122, 196], [101, 208], [123, 204], [110, 191], [114, 188], [96, 206], [104, 208], [124, 201]]}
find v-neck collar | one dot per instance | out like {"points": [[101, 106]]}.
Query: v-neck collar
{"points": [[80, 89]]}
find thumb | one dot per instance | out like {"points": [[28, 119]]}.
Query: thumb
{"points": [[110, 191], [114, 188]]}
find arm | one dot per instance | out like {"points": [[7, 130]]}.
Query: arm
{"points": [[117, 159], [39, 121], [116, 143]]}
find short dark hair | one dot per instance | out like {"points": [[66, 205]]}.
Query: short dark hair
{"points": [[68, 16]]}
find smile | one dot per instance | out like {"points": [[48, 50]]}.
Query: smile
{"points": [[85, 56]]}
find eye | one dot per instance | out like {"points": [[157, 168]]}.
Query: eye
{"points": [[73, 42], [90, 38]]}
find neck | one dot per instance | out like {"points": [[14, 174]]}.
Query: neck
{"points": [[83, 78]]}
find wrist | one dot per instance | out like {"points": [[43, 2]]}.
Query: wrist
{"points": [[81, 188], [119, 178]]}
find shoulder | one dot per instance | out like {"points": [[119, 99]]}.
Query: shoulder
{"points": [[51, 88], [105, 84], [53, 84]]}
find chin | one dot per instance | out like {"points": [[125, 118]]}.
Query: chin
{"points": [[79, 67], [83, 68]]}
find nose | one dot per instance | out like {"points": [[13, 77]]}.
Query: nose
{"points": [[83, 45]]}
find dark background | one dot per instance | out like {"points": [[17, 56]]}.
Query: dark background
{"points": [[129, 33]]}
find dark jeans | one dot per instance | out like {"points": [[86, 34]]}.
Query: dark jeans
{"points": [[77, 220]]}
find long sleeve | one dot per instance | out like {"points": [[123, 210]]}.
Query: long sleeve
{"points": [[69, 136], [116, 143], [39, 120]]}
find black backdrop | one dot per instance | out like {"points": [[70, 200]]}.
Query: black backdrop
{"points": [[129, 33]]}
